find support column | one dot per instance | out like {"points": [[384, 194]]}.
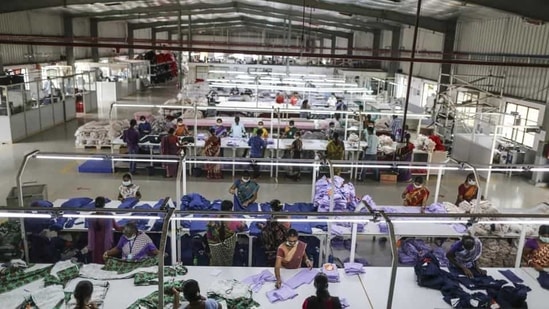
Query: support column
{"points": [[350, 43], [130, 41], [94, 33], [334, 39], [321, 46], [190, 37], [153, 38], [447, 53], [395, 51], [376, 46], [69, 34]]}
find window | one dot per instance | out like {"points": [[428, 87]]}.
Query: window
{"points": [[467, 97], [520, 115]]}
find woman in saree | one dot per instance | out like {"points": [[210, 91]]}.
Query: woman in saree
{"points": [[219, 129], [536, 250], [416, 194], [244, 191], [134, 245], [335, 150], [464, 255], [212, 148], [468, 190], [290, 255], [404, 153], [169, 145], [222, 238]]}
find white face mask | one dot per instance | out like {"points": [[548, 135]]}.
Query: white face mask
{"points": [[472, 182], [244, 180], [289, 244], [260, 127], [180, 124], [131, 238], [417, 186], [544, 239], [127, 183], [142, 121]]}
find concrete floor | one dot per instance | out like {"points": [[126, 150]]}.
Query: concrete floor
{"points": [[64, 181]]}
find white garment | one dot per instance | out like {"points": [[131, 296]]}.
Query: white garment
{"points": [[95, 271], [230, 289], [237, 130], [59, 266], [48, 297]]}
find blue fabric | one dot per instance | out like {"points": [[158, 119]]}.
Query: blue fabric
{"points": [[42, 203], [543, 279], [300, 207], [509, 274], [216, 205], [302, 227], [76, 202], [38, 225], [128, 203], [194, 201], [198, 226]]}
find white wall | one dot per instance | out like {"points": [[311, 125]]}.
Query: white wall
{"points": [[111, 29], [81, 27], [363, 40], [426, 41], [30, 23], [510, 35]]}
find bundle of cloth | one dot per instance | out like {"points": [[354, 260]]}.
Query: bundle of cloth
{"points": [[439, 145], [344, 195], [498, 253], [98, 133], [195, 201], [385, 140], [330, 270], [314, 135], [424, 143], [412, 250], [353, 137]]}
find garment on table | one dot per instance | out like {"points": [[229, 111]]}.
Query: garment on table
{"points": [[229, 289], [257, 146], [147, 278], [245, 190], [97, 272], [48, 297], [411, 250], [330, 303], [237, 303], [13, 280], [509, 274], [468, 192], [281, 294], [543, 279], [345, 198], [195, 201], [151, 300], [465, 257], [138, 248], [291, 258], [415, 196], [305, 276], [256, 281], [126, 266], [61, 273], [540, 252], [128, 191], [212, 148], [354, 268], [330, 270]]}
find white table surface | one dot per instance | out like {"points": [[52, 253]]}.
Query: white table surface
{"points": [[377, 279]]}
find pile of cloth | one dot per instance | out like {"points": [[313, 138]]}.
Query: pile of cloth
{"points": [[412, 250], [100, 133], [314, 135], [256, 281], [386, 144], [344, 196], [354, 268], [498, 253], [195, 201], [424, 143], [330, 270], [234, 293]]}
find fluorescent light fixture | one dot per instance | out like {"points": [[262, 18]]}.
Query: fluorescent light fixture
{"points": [[538, 169], [225, 219], [331, 220], [89, 216], [525, 221], [145, 160], [62, 157], [447, 168], [308, 75], [362, 165], [423, 221], [136, 105], [24, 215]]}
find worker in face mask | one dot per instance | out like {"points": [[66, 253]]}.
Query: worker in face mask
{"points": [[468, 190], [244, 190], [134, 245], [536, 250], [291, 255], [128, 189], [416, 194]]}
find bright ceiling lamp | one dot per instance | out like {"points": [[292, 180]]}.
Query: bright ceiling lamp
{"points": [[24, 215], [145, 160], [334, 220], [524, 221], [446, 168], [420, 221], [135, 105], [103, 216], [70, 157], [224, 219], [308, 75]]}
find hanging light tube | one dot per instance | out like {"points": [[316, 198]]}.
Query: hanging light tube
{"points": [[334, 220], [445, 221], [224, 219], [145, 160], [103, 216], [70, 157], [24, 215], [525, 221], [447, 168]]}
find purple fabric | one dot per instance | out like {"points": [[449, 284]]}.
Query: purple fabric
{"points": [[369, 200], [333, 275], [344, 196], [436, 208], [344, 303], [509, 274], [339, 230], [532, 243], [440, 254], [354, 268], [305, 276], [460, 228], [282, 294], [411, 250], [383, 227], [338, 243], [256, 281]]}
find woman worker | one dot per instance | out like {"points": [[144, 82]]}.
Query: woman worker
{"points": [[536, 250], [322, 299], [464, 255], [335, 150], [128, 189], [169, 146], [468, 190], [416, 194], [133, 245], [244, 191], [100, 233], [290, 255], [221, 236]]}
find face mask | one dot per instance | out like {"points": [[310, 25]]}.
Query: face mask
{"points": [[544, 239], [219, 124], [142, 121], [289, 244], [180, 124], [260, 127], [472, 182], [245, 180], [131, 237], [126, 183], [417, 186]]}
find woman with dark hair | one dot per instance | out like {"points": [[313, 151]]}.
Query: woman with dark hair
{"points": [[291, 255], [169, 146], [82, 294], [322, 299], [464, 255], [335, 150], [212, 148], [416, 194], [222, 238], [100, 233], [404, 153], [133, 245], [468, 190], [536, 250], [191, 292]]}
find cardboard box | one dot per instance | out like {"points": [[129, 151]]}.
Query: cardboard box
{"points": [[388, 178]]}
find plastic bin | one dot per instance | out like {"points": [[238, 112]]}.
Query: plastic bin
{"points": [[31, 193]]}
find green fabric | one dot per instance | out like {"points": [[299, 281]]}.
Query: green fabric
{"points": [[62, 277], [124, 266], [11, 281], [238, 303], [145, 278], [151, 301]]}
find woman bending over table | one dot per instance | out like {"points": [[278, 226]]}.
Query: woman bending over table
{"points": [[291, 255], [536, 250]]}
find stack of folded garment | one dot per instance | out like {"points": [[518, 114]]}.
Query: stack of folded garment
{"points": [[330, 270], [344, 196], [281, 294], [353, 268], [497, 253], [436, 208], [369, 201]]}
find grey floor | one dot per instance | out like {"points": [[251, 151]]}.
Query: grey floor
{"points": [[63, 180]]}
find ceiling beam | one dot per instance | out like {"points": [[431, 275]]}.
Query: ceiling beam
{"points": [[353, 9], [187, 9], [172, 13], [535, 9], [17, 6]]}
